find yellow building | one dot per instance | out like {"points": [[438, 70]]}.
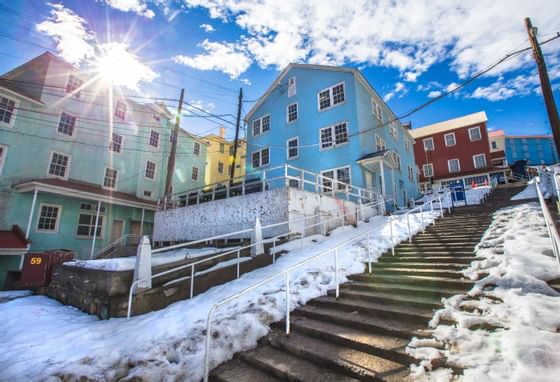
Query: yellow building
{"points": [[220, 158]]}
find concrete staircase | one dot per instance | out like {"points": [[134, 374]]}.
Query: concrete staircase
{"points": [[363, 335]]}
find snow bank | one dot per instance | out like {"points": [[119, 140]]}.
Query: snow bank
{"points": [[43, 339], [507, 326], [127, 263]]}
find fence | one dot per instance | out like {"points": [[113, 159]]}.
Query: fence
{"points": [[111, 248], [549, 222]]}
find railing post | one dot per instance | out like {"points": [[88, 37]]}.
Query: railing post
{"points": [[342, 219], [449, 205], [274, 250], [336, 272], [213, 192], [287, 303], [392, 241], [408, 224], [192, 281], [238, 253], [243, 186], [302, 181], [316, 184], [369, 251], [440, 207], [198, 196], [422, 216]]}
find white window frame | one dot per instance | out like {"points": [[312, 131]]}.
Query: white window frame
{"points": [[397, 158], [13, 117], [75, 127], [195, 151], [222, 166], [66, 173], [449, 165], [338, 187], [57, 222], [333, 136], [147, 196], [288, 113], [193, 177], [431, 167], [479, 133], [3, 156], [393, 129], [428, 140], [146, 170], [376, 110], [260, 120], [292, 89], [150, 139], [75, 90], [260, 157], [407, 144], [485, 162], [378, 139], [331, 96], [410, 173], [119, 102], [105, 176], [93, 215], [450, 135], [288, 148], [111, 143]]}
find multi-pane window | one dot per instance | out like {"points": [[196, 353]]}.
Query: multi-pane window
{"points": [[292, 87], [407, 144], [229, 168], [260, 158], [66, 124], [73, 84], [222, 148], [428, 170], [116, 142], [331, 96], [261, 125], [147, 193], [59, 165], [110, 179], [474, 133], [410, 173], [150, 172], [480, 160], [196, 148], [3, 152], [453, 165], [341, 176], [429, 144], [48, 218], [393, 130], [397, 159], [7, 107], [450, 139], [154, 138], [220, 167], [87, 226], [231, 149], [120, 110], [379, 143], [293, 148], [376, 109], [194, 173], [292, 112], [334, 135]]}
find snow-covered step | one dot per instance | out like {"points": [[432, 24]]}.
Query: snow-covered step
{"points": [[238, 370]]}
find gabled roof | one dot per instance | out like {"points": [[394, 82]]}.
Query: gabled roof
{"points": [[13, 88], [450, 124]]}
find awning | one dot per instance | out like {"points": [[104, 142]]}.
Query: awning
{"points": [[82, 190], [13, 242], [372, 162]]}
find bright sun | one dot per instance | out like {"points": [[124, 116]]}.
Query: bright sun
{"points": [[116, 65]]}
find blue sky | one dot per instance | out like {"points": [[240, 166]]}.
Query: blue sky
{"points": [[408, 50]]}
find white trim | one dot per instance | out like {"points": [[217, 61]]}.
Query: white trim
{"points": [[75, 127], [14, 93], [146, 168], [433, 144], [260, 119], [199, 148], [431, 167], [288, 148], [474, 161], [150, 139], [66, 172], [393, 127], [335, 177], [197, 173], [450, 135], [331, 96], [261, 165], [111, 143], [125, 110], [94, 215], [288, 113], [378, 137], [105, 175], [57, 222], [292, 89], [223, 167], [14, 113], [458, 165], [3, 156], [333, 136], [479, 133]]}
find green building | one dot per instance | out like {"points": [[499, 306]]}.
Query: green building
{"points": [[81, 165]]}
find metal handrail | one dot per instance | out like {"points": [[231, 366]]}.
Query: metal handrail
{"points": [[286, 274], [238, 250], [114, 244], [549, 222]]}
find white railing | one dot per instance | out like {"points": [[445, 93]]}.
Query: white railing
{"points": [[549, 222], [359, 213], [114, 246], [286, 274], [275, 177]]}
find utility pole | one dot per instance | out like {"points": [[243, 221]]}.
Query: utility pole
{"points": [[545, 83], [171, 161], [236, 141]]}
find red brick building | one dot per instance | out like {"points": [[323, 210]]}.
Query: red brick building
{"points": [[454, 151]]}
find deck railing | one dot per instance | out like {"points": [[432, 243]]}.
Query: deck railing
{"points": [[111, 248], [549, 222]]}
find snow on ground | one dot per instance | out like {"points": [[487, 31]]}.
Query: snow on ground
{"points": [[508, 326], [127, 263], [13, 294], [44, 340]]}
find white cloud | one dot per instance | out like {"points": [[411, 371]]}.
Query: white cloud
{"points": [[521, 85], [139, 7], [225, 57], [408, 35], [245, 81], [198, 104], [434, 94], [400, 89], [207, 27], [69, 31]]}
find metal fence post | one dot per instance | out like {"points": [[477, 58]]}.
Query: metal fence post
{"points": [[392, 241], [336, 272], [273, 250], [287, 303], [192, 281], [238, 253], [408, 224], [440, 207], [369, 251]]}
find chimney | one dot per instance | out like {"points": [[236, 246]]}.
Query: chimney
{"points": [[222, 132], [407, 125]]}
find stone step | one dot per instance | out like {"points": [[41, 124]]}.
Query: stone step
{"points": [[240, 371], [377, 309], [436, 258], [288, 367], [409, 291], [353, 363], [426, 265], [390, 326], [438, 242], [388, 347], [416, 272], [433, 248], [390, 298], [423, 281], [439, 252]]}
